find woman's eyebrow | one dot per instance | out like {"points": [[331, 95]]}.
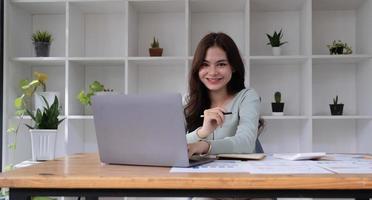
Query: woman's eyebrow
{"points": [[218, 61], [223, 60]]}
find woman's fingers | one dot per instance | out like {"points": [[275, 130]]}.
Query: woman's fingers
{"points": [[215, 115]]}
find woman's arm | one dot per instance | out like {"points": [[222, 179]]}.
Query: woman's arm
{"points": [[246, 133]]}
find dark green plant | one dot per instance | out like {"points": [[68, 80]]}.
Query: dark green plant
{"points": [[42, 36], [335, 100], [48, 118], [345, 48], [274, 40], [277, 97], [94, 87], [155, 43]]}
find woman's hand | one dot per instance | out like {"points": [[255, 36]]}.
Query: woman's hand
{"points": [[200, 147], [213, 118]]}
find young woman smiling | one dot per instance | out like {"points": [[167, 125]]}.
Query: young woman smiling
{"points": [[221, 114]]}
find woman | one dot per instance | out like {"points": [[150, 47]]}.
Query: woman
{"points": [[216, 87]]}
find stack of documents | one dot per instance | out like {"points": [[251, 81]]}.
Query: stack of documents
{"points": [[300, 156]]}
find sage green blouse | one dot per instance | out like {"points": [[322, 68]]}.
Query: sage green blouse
{"points": [[238, 133]]}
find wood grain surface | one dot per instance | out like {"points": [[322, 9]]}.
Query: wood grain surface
{"points": [[86, 171]]}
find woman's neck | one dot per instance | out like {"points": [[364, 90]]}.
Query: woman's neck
{"points": [[219, 98]]}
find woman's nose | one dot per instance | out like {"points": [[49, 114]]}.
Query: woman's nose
{"points": [[213, 70]]}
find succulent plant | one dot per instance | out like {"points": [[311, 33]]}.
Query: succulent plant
{"points": [[277, 97], [274, 40], [335, 100], [155, 43]]}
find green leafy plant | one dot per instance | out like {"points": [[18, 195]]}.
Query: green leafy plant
{"points": [[42, 36], [155, 43], [277, 97], [21, 104], [48, 118], [28, 88], [339, 47], [96, 86], [274, 40]]}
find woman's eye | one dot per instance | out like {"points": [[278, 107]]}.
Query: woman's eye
{"points": [[221, 64], [204, 65]]}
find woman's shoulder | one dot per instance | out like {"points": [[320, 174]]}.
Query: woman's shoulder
{"points": [[248, 93]]}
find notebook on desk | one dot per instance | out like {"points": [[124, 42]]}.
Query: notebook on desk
{"points": [[142, 130]]}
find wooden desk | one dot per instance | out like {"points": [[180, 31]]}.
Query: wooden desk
{"points": [[84, 175]]}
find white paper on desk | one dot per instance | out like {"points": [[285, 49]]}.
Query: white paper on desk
{"points": [[347, 167], [218, 166], [285, 167]]}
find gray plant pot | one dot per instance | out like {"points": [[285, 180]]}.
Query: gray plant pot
{"points": [[42, 49]]}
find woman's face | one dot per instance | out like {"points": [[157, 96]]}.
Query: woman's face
{"points": [[215, 71]]}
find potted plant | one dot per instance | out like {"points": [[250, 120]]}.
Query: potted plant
{"points": [[29, 89], [274, 41], [336, 108], [42, 41], [44, 130], [155, 50], [277, 106], [338, 47], [94, 88]]}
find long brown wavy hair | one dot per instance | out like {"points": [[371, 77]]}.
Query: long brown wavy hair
{"points": [[198, 98]]}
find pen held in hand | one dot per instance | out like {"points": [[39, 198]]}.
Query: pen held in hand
{"points": [[224, 113]]}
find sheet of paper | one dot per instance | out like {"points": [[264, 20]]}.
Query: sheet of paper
{"points": [[347, 167], [217, 166], [337, 163], [285, 167]]}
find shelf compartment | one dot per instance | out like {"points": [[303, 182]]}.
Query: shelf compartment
{"points": [[292, 80], [156, 76], [348, 81], [218, 16], [281, 60], [341, 20], [83, 73], [21, 70], [27, 17], [82, 137], [149, 19], [273, 141], [335, 136], [97, 28], [292, 16]]}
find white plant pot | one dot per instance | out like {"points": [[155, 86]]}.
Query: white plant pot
{"points": [[277, 113], [49, 96], [276, 51], [43, 144]]}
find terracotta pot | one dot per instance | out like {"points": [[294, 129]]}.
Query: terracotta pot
{"points": [[156, 51]]}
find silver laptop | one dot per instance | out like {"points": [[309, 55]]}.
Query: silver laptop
{"points": [[142, 130]]}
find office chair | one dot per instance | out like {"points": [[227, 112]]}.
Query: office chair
{"points": [[261, 125]]}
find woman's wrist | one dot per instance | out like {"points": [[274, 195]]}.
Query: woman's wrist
{"points": [[208, 151], [201, 133]]}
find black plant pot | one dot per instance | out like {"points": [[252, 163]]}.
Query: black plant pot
{"points": [[332, 51], [42, 49], [340, 50], [336, 109], [277, 107]]}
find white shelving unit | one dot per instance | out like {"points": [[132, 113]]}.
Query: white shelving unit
{"points": [[108, 41]]}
